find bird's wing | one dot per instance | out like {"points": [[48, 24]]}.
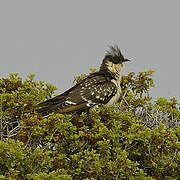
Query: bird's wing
{"points": [[53, 101], [94, 90]]}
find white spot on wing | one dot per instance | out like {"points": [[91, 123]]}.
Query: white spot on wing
{"points": [[97, 97], [84, 98], [70, 102], [109, 94], [90, 102], [88, 105]]}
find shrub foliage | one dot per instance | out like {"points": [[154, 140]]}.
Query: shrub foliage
{"points": [[135, 139]]}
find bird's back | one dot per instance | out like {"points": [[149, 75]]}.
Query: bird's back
{"points": [[96, 89]]}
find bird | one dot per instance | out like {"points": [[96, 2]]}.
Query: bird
{"points": [[101, 87]]}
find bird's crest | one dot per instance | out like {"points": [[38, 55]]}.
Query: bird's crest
{"points": [[114, 51]]}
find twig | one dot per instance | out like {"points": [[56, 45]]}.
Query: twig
{"points": [[123, 98], [13, 131], [50, 139], [28, 141]]}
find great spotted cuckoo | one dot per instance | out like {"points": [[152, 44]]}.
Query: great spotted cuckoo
{"points": [[102, 87]]}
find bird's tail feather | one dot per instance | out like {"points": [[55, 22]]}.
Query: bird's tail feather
{"points": [[50, 105], [46, 109]]}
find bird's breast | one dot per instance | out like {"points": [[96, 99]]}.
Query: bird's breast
{"points": [[116, 97]]}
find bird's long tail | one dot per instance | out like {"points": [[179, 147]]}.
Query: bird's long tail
{"points": [[50, 105]]}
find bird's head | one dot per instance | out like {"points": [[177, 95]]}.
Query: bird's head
{"points": [[113, 62]]}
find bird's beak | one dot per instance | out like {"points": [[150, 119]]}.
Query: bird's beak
{"points": [[125, 60]]}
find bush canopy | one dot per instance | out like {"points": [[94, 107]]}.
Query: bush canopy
{"points": [[137, 138]]}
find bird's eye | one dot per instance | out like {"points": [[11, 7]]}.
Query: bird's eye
{"points": [[115, 60]]}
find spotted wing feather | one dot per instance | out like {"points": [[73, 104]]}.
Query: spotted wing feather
{"points": [[94, 90]]}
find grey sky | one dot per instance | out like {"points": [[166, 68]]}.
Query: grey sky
{"points": [[59, 39]]}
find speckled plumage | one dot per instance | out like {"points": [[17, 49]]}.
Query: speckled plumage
{"points": [[102, 87]]}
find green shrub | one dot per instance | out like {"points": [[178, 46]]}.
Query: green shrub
{"points": [[135, 139]]}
